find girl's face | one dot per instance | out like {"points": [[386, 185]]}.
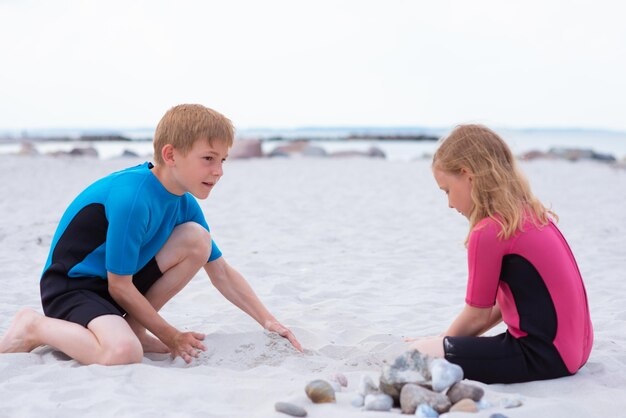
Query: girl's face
{"points": [[458, 188]]}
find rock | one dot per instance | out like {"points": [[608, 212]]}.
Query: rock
{"points": [[375, 152], [462, 390], [367, 386], [412, 395], [84, 152], [295, 147], [372, 152], [464, 405], [129, 154], [246, 148], [510, 403], [425, 411], [603, 157], [27, 148], [378, 402], [533, 155], [320, 391], [497, 415], [483, 404], [357, 401], [410, 367], [312, 151], [341, 379], [444, 374], [290, 409]]}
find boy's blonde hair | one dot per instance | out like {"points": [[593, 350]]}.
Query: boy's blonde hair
{"points": [[184, 124], [499, 189]]}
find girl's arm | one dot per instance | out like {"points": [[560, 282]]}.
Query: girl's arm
{"points": [[472, 322], [494, 319]]}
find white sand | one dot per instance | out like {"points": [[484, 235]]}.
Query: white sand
{"points": [[351, 254]]}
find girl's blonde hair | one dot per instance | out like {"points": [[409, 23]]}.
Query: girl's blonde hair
{"points": [[184, 124], [499, 189]]}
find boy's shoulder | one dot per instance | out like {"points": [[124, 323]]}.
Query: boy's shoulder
{"points": [[135, 183]]}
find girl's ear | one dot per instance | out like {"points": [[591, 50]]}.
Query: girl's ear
{"points": [[167, 152], [465, 171]]}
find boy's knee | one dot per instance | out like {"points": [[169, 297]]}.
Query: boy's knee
{"points": [[197, 239], [124, 352]]}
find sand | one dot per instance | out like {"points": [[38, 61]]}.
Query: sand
{"points": [[351, 254]]}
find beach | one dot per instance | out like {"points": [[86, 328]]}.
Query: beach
{"points": [[352, 254]]}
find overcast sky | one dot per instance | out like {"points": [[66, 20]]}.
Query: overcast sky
{"points": [[268, 63]]}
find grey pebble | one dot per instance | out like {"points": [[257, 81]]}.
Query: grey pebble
{"points": [[426, 411], [290, 409], [497, 415], [378, 402], [511, 403], [357, 401]]}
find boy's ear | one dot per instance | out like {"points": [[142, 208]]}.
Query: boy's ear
{"points": [[167, 153]]}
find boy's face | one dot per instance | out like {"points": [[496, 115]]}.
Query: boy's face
{"points": [[200, 169], [458, 188]]}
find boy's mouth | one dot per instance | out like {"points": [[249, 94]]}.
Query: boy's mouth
{"points": [[208, 184]]}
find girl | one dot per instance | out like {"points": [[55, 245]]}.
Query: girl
{"points": [[521, 270]]}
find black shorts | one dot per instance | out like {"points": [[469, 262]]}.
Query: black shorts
{"points": [[504, 358], [82, 299]]}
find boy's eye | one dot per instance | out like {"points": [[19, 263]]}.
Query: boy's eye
{"points": [[208, 158]]}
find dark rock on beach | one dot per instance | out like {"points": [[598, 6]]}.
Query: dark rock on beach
{"points": [[129, 154], [246, 148], [372, 152], [101, 138], [569, 154], [462, 390], [84, 152], [298, 148]]}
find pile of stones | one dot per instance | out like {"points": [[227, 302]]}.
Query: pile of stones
{"points": [[416, 383]]}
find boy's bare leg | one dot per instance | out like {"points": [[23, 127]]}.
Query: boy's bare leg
{"points": [[184, 253], [107, 340]]}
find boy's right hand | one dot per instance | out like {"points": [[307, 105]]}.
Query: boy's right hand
{"points": [[187, 345]]}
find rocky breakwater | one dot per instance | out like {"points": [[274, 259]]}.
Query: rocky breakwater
{"points": [[571, 154], [253, 148]]}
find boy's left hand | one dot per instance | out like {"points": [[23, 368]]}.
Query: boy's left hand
{"points": [[283, 331]]}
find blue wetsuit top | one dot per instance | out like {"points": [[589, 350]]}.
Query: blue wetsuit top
{"points": [[119, 223]]}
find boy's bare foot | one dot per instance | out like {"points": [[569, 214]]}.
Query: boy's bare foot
{"points": [[151, 344], [19, 336]]}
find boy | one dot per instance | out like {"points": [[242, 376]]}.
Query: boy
{"points": [[128, 244]]}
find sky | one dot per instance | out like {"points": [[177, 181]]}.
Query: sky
{"points": [[285, 64]]}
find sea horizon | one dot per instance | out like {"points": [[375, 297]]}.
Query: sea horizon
{"points": [[314, 132], [396, 142]]}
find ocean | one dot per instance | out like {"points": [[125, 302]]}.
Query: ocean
{"points": [[520, 141]]}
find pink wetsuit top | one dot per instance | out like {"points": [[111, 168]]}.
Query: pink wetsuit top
{"points": [[548, 252]]}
